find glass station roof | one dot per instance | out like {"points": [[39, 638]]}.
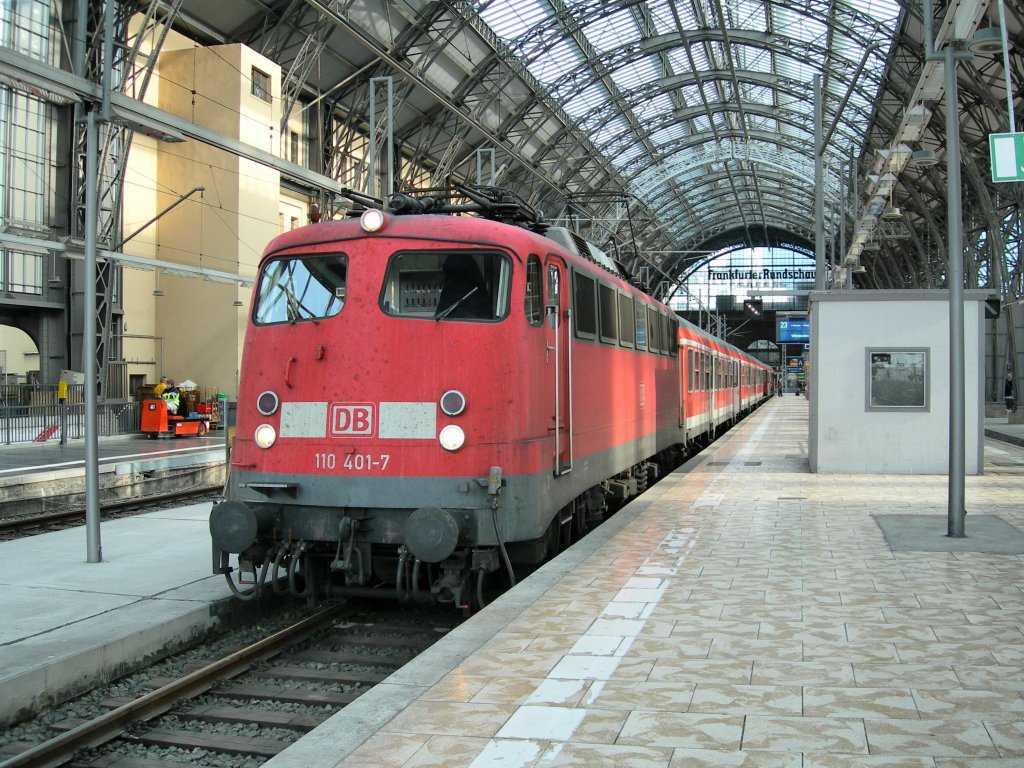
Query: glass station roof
{"points": [[705, 107]]}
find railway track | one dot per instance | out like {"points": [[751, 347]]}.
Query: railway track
{"points": [[277, 688]]}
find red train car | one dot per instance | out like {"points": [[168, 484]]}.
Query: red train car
{"points": [[427, 399]]}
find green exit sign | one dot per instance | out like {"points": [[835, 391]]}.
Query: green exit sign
{"points": [[1006, 151]]}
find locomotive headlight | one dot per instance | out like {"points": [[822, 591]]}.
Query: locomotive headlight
{"points": [[265, 435], [452, 437], [372, 220], [453, 402], [267, 403]]}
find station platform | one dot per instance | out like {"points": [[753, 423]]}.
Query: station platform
{"points": [[999, 429], [742, 612], [39, 476], [152, 593]]}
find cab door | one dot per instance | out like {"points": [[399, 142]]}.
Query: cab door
{"points": [[558, 319]]}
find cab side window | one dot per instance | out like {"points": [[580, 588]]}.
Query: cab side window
{"points": [[533, 302], [609, 312], [585, 300], [626, 330]]}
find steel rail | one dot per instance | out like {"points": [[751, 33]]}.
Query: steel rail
{"points": [[61, 749]]}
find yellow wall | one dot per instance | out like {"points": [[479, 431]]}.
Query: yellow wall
{"points": [[197, 331]]}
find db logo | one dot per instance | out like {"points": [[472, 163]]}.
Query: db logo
{"points": [[352, 419]]}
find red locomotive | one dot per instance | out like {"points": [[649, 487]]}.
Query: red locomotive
{"points": [[430, 398]]}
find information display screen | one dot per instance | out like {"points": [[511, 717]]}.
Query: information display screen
{"points": [[793, 330]]}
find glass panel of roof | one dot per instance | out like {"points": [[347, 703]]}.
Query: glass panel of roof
{"points": [[512, 20], [702, 124], [798, 26], [886, 12], [786, 98], [722, 120], [651, 107], [661, 12], [788, 129], [717, 53], [762, 122], [797, 71], [758, 94], [681, 61], [616, 134], [744, 54], [761, 61], [636, 73], [668, 134], [629, 153], [716, 90], [685, 11], [554, 61], [590, 99], [748, 14], [613, 31], [705, 12], [691, 95]]}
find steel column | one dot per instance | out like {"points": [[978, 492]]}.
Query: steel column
{"points": [[89, 367]]}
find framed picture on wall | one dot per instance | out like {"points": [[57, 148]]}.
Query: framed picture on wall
{"points": [[898, 379]]}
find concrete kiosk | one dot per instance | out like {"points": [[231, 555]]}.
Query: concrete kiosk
{"points": [[879, 393]]}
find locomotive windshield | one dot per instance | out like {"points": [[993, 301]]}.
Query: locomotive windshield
{"points": [[447, 285], [301, 288]]}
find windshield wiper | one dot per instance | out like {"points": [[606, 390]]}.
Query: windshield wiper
{"points": [[452, 308]]}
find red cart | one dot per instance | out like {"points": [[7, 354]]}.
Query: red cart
{"points": [[157, 420]]}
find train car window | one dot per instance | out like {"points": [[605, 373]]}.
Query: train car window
{"points": [[301, 288], [653, 330], [532, 306], [640, 320], [689, 370], [585, 302], [447, 285], [626, 330], [707, 371], [608, 308], [669, 336]]}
